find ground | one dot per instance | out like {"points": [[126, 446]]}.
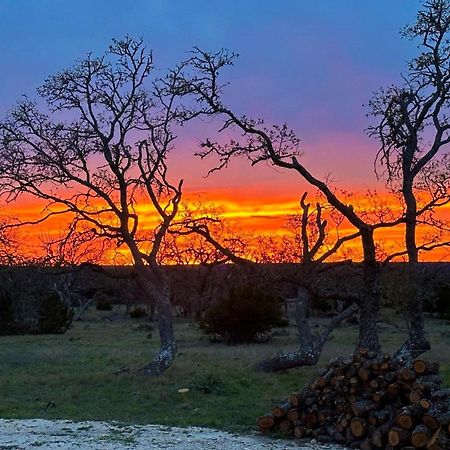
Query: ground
{"points": [[67, 435], [90, 373]]}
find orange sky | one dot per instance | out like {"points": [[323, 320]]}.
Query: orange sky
{"points": [[252, 210]]}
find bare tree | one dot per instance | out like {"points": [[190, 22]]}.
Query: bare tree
{"points": [[279, 146], [101, 149], [414, 130], [312, 229]]}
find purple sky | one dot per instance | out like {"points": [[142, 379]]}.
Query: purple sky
{"points": [[310, 63]]}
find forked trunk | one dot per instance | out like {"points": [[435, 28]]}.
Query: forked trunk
{"points": [[310, 345], [308, 353]]}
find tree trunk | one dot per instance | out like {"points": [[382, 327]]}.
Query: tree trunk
{"points": [[310, 345], [370, 304], [160, 295], [417, 343], [308, 354]]}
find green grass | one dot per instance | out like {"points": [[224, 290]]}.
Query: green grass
{"points": [[72, 376]]}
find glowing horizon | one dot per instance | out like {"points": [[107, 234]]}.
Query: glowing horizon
{"points": [[255, 216]]}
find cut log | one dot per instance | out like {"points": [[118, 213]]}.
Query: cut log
{"points": [[281, 410], [358, 425], [422, 367], [404, 419], [397, 436], [420, 436], [299, 432], [285, 427], [265, 422], [294, 400]]}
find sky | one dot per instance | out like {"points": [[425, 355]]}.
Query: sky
{"points": [[311, 63]]}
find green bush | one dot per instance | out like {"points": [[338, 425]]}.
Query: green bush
{"points": [[103, 304], [55, 317], [241, 316]]}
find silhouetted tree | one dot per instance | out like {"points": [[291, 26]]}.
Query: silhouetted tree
{"points": [[279, 146], [100, 150], [414, 130]]}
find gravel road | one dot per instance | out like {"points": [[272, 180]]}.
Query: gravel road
{"points": [[63, 434]]}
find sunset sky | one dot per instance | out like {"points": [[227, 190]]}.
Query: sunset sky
{"points": [[311, 63]]}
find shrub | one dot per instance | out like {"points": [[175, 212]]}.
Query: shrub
{"points": [[55, 317], [208, 384], [245, 313], [138, 313], [103, 304]]}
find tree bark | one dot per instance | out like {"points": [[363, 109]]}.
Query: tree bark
{"points": [[310, 345], [370, 304], [417, 343], [159, 293]]}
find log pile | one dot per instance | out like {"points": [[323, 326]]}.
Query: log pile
{"points": [[369, 402]]}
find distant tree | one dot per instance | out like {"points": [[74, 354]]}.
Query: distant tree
{"points": [[414, 130], [101, 149]]}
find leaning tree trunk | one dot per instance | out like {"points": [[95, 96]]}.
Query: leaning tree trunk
{"points": [[160, 294], [371, 301], [310, 345], [417, 342]]}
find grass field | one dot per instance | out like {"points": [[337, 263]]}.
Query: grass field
{"points": [[73, 375]]}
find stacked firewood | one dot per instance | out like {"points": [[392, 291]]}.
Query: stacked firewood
{"points": [[369, 402]]}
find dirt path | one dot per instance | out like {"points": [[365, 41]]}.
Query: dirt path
{"points": [[63, 434]]}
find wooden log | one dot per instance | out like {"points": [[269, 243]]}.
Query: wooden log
{"points": [[349, 436], [379, 435], [378, 438], [358, 425], [265, 422], [281, 410], [404, 418], [378, 396], [294, 400], [439, 441], [324, 415], [363, 374], [285, 427], [293, 414], [299, 432], [415, 396], [422, 367], [430, 419], [420, 436], [398, 435], [432, 443], [393, 389], [366, 444]]}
